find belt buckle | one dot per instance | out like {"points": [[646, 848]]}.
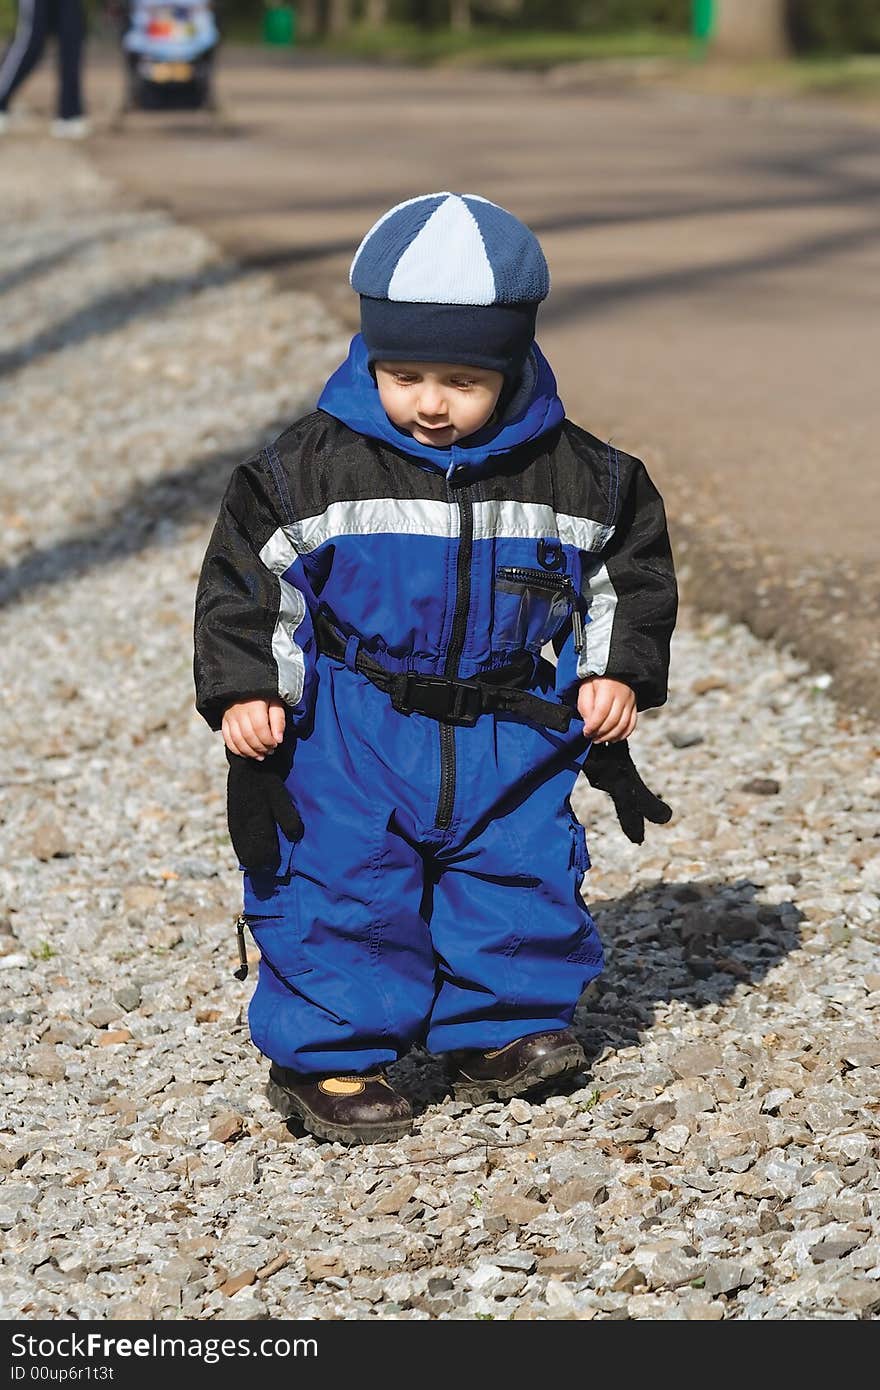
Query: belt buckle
{"points": [[467, 704], [450, 702]]}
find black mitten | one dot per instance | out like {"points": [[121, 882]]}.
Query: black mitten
{"points": [[609, 768], [257, 802]]}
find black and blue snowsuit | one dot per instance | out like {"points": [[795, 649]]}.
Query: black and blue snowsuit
{"points": [[435, 895]]}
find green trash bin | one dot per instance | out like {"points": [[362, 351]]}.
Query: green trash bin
{"points": [[702, 19], [279, 24]]}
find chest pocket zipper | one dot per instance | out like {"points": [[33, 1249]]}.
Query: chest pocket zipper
{"points": [[513, 579]]}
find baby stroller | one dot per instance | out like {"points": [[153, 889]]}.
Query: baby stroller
{"points": [[169, 50]]}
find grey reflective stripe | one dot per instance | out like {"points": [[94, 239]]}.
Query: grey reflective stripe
{"points": [[583, 533], [601, 597], [420, 517], [278, 554], [397, 515], [289, 656], [532, 520]]}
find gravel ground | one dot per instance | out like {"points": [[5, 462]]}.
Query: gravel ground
{"points": [[720, 1158]]}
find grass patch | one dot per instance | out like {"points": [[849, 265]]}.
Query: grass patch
{"points": [[857, 74], [854, 76], [405, 43], [684, 60]]}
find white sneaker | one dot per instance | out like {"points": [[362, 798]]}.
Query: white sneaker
{"points": [[75, 128]]}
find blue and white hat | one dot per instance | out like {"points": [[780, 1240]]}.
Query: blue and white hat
{"points": [[449, 277]]}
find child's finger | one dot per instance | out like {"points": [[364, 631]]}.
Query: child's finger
{"points": [[610, 720], [616, 732], [620, 722], [586, 701], [597, 713], [258, 716], [234, 742], [625, 727], [257, 730], [277, 721], [251, 740]]}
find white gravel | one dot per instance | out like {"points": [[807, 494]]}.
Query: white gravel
{"points": [[720, 1160]]}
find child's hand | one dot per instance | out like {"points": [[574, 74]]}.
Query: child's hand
{"points": [[253, 728], [608, 709]]}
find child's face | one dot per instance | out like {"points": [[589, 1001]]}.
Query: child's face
{"points": [[438, 403]]}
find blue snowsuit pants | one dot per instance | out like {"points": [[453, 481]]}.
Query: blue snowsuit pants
{"points": [[381, 929]]}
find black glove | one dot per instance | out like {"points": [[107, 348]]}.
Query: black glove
{"points": [[257, 802], [609, 768]]}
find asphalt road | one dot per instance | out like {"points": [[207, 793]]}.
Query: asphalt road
{"points": [[716, 285]]}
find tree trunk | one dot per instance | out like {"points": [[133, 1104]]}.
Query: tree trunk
{"points": [[460, 15], [749, 29], [308, 18], [338, 16], [376, 13]]}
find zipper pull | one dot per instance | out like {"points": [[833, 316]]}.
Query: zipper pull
{"points": [[577, 630], [577, 621], [242, 972]]}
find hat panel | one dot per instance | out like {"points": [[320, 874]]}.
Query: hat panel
{"points": [[518, 263], [377, 256], [498, 336], [446, 262]]}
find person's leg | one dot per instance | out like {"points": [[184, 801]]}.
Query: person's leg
{"points": [[346, 977], [346, 980], [515, 941], [71, 28], [26, 48]]}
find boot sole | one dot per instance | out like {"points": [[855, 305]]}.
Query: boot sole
{"points": [[565, 1062], [288, 1105]]}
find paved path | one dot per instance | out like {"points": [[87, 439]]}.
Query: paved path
{"points": [[716, 297]]}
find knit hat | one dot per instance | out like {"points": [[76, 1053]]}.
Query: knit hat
{"points": [[449, 277]]}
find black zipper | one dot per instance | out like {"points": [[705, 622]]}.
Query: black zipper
{"points": [[539, 579], [557, 583], [446, 800]]}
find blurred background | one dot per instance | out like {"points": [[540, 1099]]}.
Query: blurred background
{"points": [[702, 173]]}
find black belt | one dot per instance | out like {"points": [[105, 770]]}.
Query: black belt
{"points": [[453, 701]]}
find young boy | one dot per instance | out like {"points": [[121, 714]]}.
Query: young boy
{"points": [[369, 629]]}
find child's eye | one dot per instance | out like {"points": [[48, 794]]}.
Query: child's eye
{"points": [[403, 380], [463, 383]]}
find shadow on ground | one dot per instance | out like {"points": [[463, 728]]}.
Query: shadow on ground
{"points": [[148, 515]]}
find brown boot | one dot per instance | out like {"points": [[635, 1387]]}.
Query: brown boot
{"points": [[518, 1067], [350, 1109]]}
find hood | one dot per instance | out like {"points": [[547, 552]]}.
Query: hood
{"points": [[351, 395]]}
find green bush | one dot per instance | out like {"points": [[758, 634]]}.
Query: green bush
{"points": [[832, 26], [835, 26], [605, 15], [598, 15]]}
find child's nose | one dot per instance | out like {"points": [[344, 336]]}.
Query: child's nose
{"points": [[432, 401]]}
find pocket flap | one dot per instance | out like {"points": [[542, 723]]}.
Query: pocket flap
{"points": [[579, 855]]}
